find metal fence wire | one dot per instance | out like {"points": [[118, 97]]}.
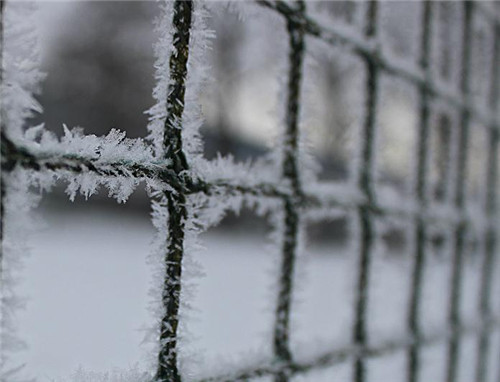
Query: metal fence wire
{"points": [[295, 201]]}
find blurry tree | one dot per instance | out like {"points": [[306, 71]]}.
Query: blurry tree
{"points": [[100, 67], [225, 58]]}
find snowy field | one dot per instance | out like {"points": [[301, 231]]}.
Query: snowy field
{"points": [[87, 281]]}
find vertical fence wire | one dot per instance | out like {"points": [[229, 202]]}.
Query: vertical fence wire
{"points": [[365, 181], [490, 251], [493, 191], [2, 182], [2, 129], [176, 201], [414, 311], [290, 172], [454, 319]]}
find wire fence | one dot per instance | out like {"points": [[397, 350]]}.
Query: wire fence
{"points": [[295, 201]]}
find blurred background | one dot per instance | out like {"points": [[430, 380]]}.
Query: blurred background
{"points": [[99, 60], [100, 64]]}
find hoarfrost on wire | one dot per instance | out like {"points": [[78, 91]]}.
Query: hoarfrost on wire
{"points": [[20, 81], [113, 149], [157, 113]]}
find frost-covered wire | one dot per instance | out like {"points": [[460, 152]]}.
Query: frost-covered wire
{"points": [[20, 80]]}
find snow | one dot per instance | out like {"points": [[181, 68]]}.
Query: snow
{"points": [[83, 281], [318, 322], [17, 212], [337, 373], [378, 371], [132, 375], [232, 309], [88, 301]]}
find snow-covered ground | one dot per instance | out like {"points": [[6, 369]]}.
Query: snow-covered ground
{"points": [[87, 281]]}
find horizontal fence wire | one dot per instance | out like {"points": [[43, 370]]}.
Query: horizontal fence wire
{"points": [[296, 202]]}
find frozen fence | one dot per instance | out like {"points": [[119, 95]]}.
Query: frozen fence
{"points": [[183, 187]]}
